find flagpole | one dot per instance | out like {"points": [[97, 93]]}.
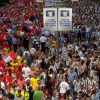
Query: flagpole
{"points": [[57, 54]]}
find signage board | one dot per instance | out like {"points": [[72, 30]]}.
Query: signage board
{"points": [[64, 19], [50, 19]]}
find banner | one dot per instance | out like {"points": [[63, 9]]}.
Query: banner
{"points": [[50, 19], [39, 0], [64, 19], [49, 3], [74, 0]]}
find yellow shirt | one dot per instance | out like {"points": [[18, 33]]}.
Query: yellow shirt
{"points": [[18, 32], [14, 63], [14, 92], [12, 75], [34, 83], [24, 61], [6, 51], [25, 95], [19, 59], [54, 43]]}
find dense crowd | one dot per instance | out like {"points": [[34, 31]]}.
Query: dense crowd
{"points": [[31, 65]]}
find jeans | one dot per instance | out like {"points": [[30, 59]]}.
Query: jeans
{"points": [[71, 89], [87, 35], [15, 47]]}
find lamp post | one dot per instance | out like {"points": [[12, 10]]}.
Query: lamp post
{"points": [[62, 19], [54, 3]]}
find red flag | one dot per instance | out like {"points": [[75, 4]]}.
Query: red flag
{"points": [[2, 63], [13, 55], [5, 44], [1, 37]]}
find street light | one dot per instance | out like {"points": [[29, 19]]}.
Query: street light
{"points": [[60, 21]]}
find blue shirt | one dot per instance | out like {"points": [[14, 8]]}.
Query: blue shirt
{"points": [[72, 76], [97, 95], [14, 40]]}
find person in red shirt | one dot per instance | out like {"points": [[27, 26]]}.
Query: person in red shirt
{"points": [[5, 44], [41, 22], [18, 77], [7, 69], [15, 70], [20, 69], [21, 83], [7, 77], [11, 81], [2, 62], [1, 38], [4, 77], [1, 77]]}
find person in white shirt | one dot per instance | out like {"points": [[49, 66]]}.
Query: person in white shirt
{"points": [[76, 48], [2, 84], [26, 52], [64, 87], [77, 84], [64, 50], [98, 35], [32, 51], [21, 33], [26, 71], [80, 53], [9, 30], [88, 32], [43, 40]]}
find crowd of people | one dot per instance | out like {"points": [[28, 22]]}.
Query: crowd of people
{"points": [[35, 65]]}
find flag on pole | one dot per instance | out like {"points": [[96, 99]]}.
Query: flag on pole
{"points": [[12, 55], [7, 59]]}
